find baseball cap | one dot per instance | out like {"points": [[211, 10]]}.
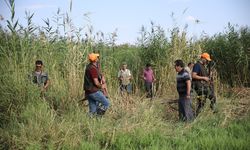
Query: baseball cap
{"points": [[206, 56], [93, 57]]}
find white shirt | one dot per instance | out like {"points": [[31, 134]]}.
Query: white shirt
{"points": [[125, 75], [189, 72]]}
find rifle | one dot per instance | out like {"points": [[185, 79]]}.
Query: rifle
{"points": [[211, 66], [211, 96]]}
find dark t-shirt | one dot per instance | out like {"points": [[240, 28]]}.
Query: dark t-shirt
{"points": [[92, 73], [200, 70], [197, 68], [181, 78]]}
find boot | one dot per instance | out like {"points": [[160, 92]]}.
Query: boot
{"points": [[100, 111]]}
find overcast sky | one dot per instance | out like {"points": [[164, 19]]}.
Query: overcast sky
{"points": [[128, 16]]}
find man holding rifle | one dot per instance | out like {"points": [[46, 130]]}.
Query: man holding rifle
{"points": [[98, 103], [202, 84]]}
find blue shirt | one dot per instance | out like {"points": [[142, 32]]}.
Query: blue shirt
{"points": [[200, 70], [197, 68]]}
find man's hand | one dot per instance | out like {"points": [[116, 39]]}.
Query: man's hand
{"points": [[206, 79]]}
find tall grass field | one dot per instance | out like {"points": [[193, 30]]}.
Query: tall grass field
{"points": [[61, 120]]}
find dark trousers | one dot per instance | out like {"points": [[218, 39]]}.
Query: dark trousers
{"points": [[127, 88], [185, 109], [204, 93], [149, 89]]}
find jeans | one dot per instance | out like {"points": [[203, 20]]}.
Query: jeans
{"points": [[95, 99]]}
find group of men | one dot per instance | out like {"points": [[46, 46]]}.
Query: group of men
{"points": [[124, 76], [96, 90], [199, 80], [94, 84]]}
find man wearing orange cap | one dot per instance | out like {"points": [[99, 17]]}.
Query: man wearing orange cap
{"points": [[93, 86], [201, 83]]}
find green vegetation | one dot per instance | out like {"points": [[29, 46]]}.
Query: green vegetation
{"points": [[231, 48], [61, 121]]}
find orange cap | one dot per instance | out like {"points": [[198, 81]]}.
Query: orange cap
{"points": [[206, 56], [93, 57]]}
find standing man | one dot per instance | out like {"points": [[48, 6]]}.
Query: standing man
{"points": [[149, 78], [201, 83], [184, 89], [40, 77], [92, 87], [189, 69], [124, 76]]}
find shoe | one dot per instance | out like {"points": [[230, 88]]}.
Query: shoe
{"points": [[100, 111]]}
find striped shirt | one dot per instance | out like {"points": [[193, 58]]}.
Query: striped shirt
{"points": [[181, 79]]}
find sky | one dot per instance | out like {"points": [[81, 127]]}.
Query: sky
{"points": [[128, 16]]}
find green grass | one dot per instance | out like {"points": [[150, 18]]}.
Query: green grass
{"points": [[39, 127]]}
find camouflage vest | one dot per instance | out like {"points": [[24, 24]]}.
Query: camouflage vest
{"points": [[40, 79], [200, 84]]}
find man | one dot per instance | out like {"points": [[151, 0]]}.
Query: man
{"points": [[189, 69], [201, 83], [184, 89], [92, 87], [149, 78], [40, 77], [124, 76]]}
